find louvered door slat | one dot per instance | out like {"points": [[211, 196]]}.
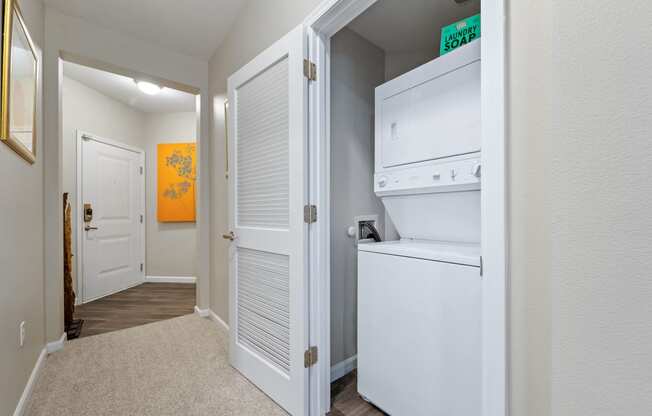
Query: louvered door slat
{"points": [[263, 149], [264, 304]]}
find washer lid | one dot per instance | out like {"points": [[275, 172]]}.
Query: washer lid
{"points": [[459, 253]]}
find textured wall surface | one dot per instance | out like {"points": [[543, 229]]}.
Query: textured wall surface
{"points": [[580, 202], [21, 251]]}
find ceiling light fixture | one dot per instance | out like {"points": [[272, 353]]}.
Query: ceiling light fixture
{"points": [[148, 87]]}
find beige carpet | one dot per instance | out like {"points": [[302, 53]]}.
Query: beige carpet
{"points": [[174, 367]]}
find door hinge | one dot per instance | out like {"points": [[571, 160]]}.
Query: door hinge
{"points": [[141, 219], [310, 357], [141, 170], [309, 70], [141, 267], [310, 214]]}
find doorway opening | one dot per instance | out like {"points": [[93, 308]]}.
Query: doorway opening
{"points": [[357, 47], [377, 61], [129, 172]]}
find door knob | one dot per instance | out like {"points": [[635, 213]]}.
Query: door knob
{"points": [[230, 236], [88, 228]]}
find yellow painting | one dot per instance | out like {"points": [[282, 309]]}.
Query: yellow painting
{"points": [[176, 182]]}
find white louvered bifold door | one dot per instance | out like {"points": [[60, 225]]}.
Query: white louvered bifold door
{"points": [[267, 192]]}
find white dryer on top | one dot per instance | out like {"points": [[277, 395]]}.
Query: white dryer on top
{"points": [[428, 138]]}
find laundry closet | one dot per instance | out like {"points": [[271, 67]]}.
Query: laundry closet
{"points": [[405, 163]]}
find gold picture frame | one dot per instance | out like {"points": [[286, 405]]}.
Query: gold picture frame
{"points": [[19, 83]]}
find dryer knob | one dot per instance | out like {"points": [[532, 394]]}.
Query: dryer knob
{"points": [[477, 170], [382, 182]]}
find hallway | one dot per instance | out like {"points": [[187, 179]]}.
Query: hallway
{"points": [[326, 208], [174, 367]]}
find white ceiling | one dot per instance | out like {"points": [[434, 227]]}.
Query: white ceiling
{"points": [[410, 25], [124, 89], [191, 27]]}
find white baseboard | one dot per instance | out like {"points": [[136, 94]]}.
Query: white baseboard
{"points": [[171, 279], [29, 387], [343, 368], [57, 345], [204, 313], [218, 320]]}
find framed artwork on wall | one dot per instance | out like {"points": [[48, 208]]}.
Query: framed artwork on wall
{"points": [[19, 84], [176, 172]]}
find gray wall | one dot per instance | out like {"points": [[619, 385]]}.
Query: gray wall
{"points": [[171, 247], [357, 67], [580, 205], [21, 252], [259, 24]]}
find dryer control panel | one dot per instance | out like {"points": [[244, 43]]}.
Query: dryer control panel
{"points": [[451, 176]]}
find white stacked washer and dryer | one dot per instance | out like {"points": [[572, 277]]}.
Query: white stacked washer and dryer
{"points": [[419, 298]]}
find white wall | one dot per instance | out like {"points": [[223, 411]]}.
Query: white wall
{"points": [[71, 35], [21, 250], [259, 24], [171, 247], [580, 201], [357, 67]]}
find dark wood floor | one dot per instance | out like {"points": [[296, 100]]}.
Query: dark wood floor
{"points": [[345, 400], [149, 302]]}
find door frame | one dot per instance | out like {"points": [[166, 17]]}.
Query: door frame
{"points": [[82, 136], [322, 24]]}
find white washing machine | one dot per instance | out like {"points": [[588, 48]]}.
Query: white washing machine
{"points": [[419, 327], [419, 299]]}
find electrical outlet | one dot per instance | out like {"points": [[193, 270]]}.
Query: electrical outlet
{"points": [[22, 333]]}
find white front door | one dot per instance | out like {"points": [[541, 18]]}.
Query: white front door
{"points": [[112, 186], [267, 192]]}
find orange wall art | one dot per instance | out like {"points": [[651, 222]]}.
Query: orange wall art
{"points": [[176, 182]]}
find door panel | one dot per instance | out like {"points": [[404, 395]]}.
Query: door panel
{"points": [[262, 149], [263, 305], [112, 247], [267, 192]]}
